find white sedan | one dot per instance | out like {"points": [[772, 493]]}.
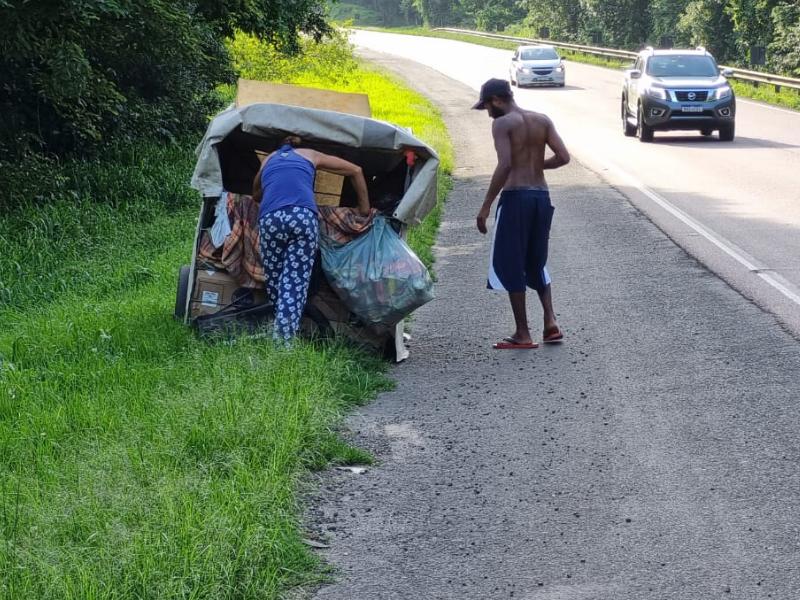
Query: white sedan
{"points": [[537, 65]]}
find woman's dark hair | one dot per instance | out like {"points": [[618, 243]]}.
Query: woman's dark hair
{"points": [[293, 140]]}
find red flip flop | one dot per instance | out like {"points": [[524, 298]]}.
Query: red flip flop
{"points": [[553, 337], [509, 344]]}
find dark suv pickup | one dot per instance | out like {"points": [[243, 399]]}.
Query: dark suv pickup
{"points": [[677, 90]]}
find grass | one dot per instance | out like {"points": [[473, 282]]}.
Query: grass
{"points": [[765, 93], [137, 461]]}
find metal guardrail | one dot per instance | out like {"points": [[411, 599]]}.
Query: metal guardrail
{"points": [[754, 77]]}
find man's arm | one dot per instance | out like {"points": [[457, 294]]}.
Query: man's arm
{"points": [[502, 145], [339, 166], [561, 155]]}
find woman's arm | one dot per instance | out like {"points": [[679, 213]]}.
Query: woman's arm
{"points": [[339, 166]]}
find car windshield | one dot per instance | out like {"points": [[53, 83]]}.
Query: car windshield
{"points": [[538, 54], [677, 65]]}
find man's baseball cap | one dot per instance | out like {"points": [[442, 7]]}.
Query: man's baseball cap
{"points": [[493, 87]]}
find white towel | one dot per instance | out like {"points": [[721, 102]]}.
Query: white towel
{"points": [[222, 225]]}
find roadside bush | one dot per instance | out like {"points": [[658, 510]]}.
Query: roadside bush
{"points": [[78, 74]]}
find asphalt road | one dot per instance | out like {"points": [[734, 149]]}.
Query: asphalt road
{"points": [[652, 456], [737, 205]]}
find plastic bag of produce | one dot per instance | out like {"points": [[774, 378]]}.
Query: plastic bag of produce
{"points": [[377, 275]]}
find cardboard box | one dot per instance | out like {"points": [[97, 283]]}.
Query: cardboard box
{"points": [[328, 188], [253, 92], [214, 290]]}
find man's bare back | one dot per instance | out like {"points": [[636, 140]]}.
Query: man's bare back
{"points": [[520, 139], [528, 133]]}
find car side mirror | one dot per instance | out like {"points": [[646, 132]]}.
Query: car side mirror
{"points": [[635, 73], [727, 72]]}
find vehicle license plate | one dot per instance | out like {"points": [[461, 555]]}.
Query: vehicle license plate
{"points": [[544, 79], [691, 109]]}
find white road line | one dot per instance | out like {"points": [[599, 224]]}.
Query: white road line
{"points": [[727, 247]]}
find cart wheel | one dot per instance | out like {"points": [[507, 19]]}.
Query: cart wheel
{"points": [[182, 293]]}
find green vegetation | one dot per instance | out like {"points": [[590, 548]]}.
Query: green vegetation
{"points": [[77, 75], [137, 461], [375, 12], [766, 93], [592, 59], [345, 12]]}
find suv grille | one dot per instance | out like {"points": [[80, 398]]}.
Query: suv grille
{"points": [[543, 71], [691, 96]]}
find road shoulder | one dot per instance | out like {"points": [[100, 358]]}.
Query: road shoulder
{"points": [[650, 456]]}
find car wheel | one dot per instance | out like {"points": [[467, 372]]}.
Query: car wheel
{"points": [[727, 132], [644, 131], [706, 132], [628, 129], [182, 293]]}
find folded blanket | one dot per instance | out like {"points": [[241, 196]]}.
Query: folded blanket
{"points": [[342, 224], [240, 255]]}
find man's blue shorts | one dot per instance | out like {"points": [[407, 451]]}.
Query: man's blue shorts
{"points": [[521, 238]]}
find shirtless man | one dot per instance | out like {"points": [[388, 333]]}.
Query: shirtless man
{"points": [[524, 213]]}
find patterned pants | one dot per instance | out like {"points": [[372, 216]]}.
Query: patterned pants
{"points": [[289, 238]]}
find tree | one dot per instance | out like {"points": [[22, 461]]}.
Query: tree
{"points": [[622, 23], [752, 20], [561, 17], [665, 17], [439, 13], [708, 23], [76, 74], [491, 15], [389, 12], [785, 48]]}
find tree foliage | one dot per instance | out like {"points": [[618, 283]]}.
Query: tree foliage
{"points": [[785, 46], [440, 13], [77, 73], [708, 23]]}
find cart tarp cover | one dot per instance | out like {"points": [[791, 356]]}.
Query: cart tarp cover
{"points": [[369, 136]]}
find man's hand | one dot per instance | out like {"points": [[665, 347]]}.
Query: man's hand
{"points": [[482, 216]]}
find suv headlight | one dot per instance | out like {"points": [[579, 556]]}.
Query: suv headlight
{"points": [[723, 92], [658, 93]]}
